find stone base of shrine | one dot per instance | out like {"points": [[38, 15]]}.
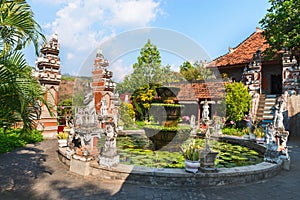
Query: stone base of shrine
{"points": [[77, 164]]}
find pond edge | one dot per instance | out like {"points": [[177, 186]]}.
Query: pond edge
{"points": [[171, 177]]}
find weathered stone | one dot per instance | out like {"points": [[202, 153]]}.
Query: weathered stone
{"points": [[80, 167]]}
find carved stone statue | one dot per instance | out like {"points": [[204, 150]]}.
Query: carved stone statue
{"points": [[87, 128], [205, 112], [254, 102], [276, 135], [193, 121], [279, 107], [103, 110], [108, 153]]}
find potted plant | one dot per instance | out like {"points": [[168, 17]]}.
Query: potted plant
{"points": [[62, 138], [260, 134], [246, 133], [191, 154]]}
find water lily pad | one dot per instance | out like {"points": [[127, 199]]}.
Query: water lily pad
{"points": [[253, 152], [226, 158], [242, 158], [229, 165], [219, 166], [234, 157], [134, 151]]}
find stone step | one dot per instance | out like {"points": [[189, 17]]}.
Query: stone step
{"points": [[268, 111], [268, 106], [46, 128], [267, 117], [271, 96], [270, 101], [49, 134]]}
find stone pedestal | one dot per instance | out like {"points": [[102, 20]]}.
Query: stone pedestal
{"points": [[207, 161], [286, 162], [271, 153], [109, 161], [80, 167]]}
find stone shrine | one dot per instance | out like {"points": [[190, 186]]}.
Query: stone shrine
{"points": [[48, 74], [98, 116]]}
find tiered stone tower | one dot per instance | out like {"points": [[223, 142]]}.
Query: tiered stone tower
{"points": [[48, 74], [106, 100], [290, 73]]}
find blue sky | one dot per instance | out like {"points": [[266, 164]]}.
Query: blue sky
{"points": [[83, 25]]}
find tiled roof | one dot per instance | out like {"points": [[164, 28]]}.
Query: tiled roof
{"points": [[243, 53], [191, 91]]}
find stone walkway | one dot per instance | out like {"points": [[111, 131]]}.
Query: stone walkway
{"points": [[34, 172]]}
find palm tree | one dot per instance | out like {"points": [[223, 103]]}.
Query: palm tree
{"points": [[20, 93], [17, 26]]}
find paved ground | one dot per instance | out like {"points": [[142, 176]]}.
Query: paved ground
{"points": [[34, 172]]}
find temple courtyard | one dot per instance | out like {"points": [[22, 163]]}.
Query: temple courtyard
{"points": [[34, 172]]}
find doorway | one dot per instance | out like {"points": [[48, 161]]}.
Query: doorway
{"points": [[276, 84]]}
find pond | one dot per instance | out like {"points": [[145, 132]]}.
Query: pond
{"points": [[137, 151]]}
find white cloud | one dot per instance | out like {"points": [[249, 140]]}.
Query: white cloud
{"points": [[83, 24], [134, 13], [73, 24], [120, 69], [51, 2], [70, 56]]}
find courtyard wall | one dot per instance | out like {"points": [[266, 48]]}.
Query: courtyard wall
{"points": [[294, 114]]}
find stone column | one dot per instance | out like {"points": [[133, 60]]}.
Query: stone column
{"points": [[252, 79], [290, 73]]}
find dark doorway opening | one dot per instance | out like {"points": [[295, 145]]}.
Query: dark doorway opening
{"points": [[276, 84]]}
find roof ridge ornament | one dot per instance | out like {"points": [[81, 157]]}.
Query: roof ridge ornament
{"points": [[258, 30]]}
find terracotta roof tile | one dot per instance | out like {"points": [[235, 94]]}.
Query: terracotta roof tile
{"points": [[191, 91], [243, 53]]}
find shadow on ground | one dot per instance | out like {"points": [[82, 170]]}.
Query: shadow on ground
{"points": [[19, 169]]}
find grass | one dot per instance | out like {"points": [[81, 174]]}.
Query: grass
{"points": [[15, 138]]}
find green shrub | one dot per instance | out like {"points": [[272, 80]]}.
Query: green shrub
{"points": [[14, 138], [232, 131], [140, 124], [126, 115], [32, 137], [238, 101]]}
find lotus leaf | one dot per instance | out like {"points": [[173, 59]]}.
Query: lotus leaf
{"points": [[226, 158], [133, 150], [236, 152], [242, 158], [253, 152], [219, 166], [234, 157], [229, 165]]}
